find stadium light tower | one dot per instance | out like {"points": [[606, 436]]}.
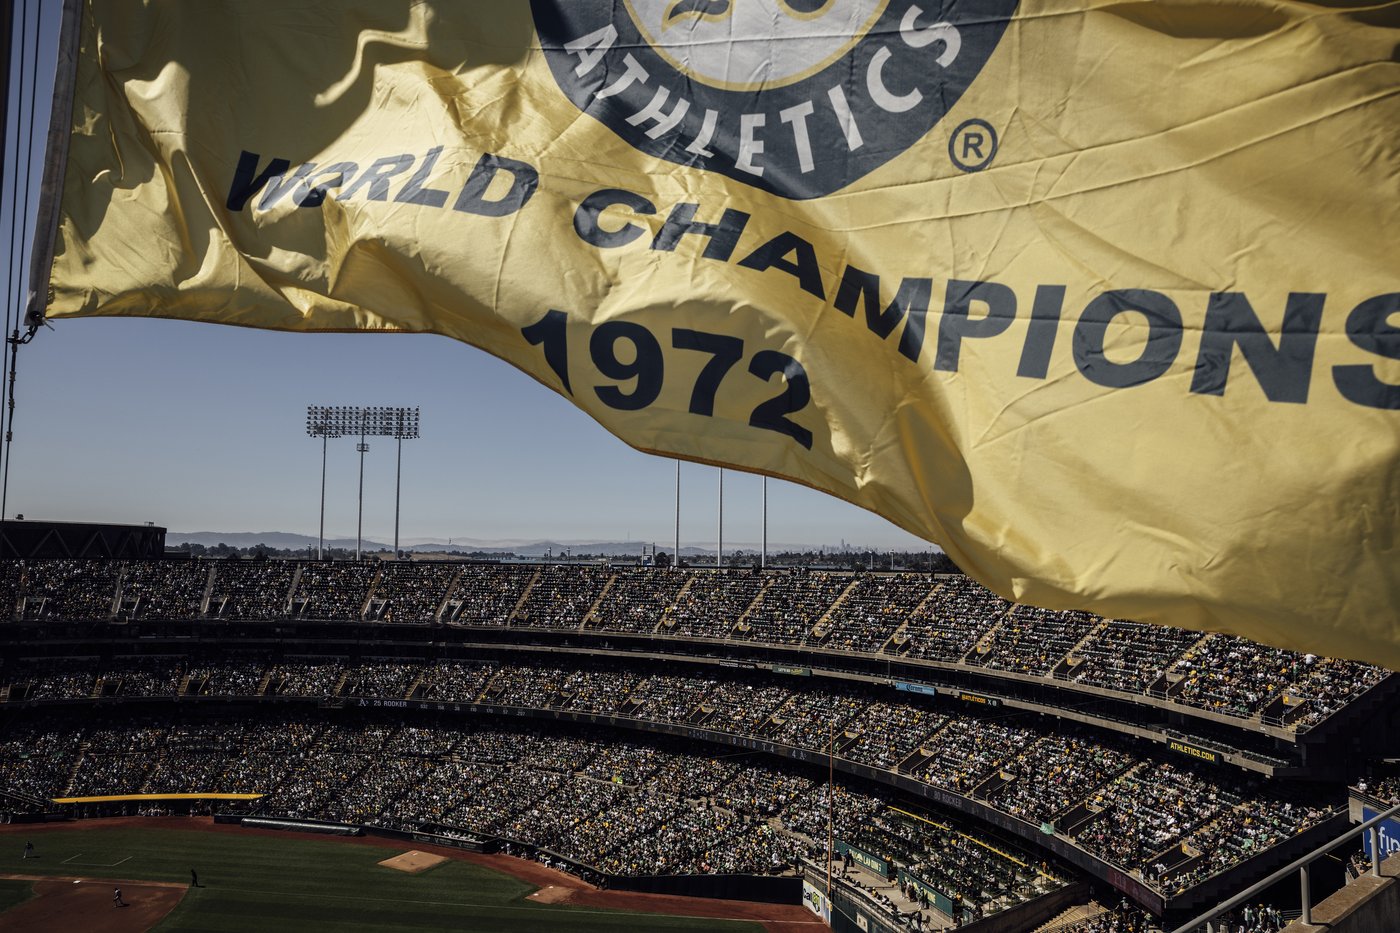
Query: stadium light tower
{"points": [[405, 421], [322, 422], [363, 449], [350, 421]]}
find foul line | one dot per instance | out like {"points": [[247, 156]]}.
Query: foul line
{"points": [[73, 860], [400, 900], [554, 910], [127, 881]]}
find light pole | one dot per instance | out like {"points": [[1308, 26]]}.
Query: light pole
{"points": [[363, 448], [405, 428], [719, 548], [763, 555], [676, 557], [351, 420], [322, 422]]}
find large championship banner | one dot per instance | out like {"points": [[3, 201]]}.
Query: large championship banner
{"points": [[1103, 298]]}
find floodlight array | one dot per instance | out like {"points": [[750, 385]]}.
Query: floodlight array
{"points": [[358, 420]]}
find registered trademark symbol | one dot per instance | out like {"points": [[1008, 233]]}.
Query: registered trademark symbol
{"points": [[973, 145]]}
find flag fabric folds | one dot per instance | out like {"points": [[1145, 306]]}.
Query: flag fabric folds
{"points": [[1102, 297]]}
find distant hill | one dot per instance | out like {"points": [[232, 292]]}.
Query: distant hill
{"points": [[285, 540]]}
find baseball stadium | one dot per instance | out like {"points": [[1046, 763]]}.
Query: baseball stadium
{"points": [[901, 751], [1075, 322]]}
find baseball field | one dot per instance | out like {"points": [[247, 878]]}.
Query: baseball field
{"points": [[272, 881]]}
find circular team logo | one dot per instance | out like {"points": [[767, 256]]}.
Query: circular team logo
{"points": [[797, 97]]}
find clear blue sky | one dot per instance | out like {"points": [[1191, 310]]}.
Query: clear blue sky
{"points": [[201, 427]]}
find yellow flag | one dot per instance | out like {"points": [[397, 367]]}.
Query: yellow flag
{"points": [[1104, 298]]}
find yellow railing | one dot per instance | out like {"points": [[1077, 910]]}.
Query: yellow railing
{"points": [[115, 798]]}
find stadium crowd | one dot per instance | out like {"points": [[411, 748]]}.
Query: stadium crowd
{"points": [[595, 801], [944, 618], [1174, 821], [1385, 787], [1255, 918]]}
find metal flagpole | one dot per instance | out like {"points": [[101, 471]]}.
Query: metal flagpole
{"points": [[15, 341], [719, 550], [14, 255], [13, 292], [676, 557]]}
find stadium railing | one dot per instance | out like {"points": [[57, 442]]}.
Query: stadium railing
{"points": [[1207, 920]]}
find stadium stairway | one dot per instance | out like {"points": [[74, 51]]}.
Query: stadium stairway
{"points": [[666, 621], [899, 640], [490, 690], [772, 726], [1071, 821], [291, 590], [447, 596], [208, 591], [1179, 858], [1079, 913], [1169, 685], [741, 624], [524, 595], [593, 609], [848, 738], [871, 882], [823, 626], [914, 762], [77, 763], [977, 655], [38, 804], [991, 784], [369, 593], [116, 606], [1071, 660]]}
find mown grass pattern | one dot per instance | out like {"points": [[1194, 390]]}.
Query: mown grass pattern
{"points": [[297, 885]]}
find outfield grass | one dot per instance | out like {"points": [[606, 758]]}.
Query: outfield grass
{"points": [[273, 884], [14, 892]]}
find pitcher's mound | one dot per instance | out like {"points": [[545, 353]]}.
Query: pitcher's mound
{"points": [[413, 862]]}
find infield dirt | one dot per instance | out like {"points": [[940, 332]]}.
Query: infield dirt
{"points": [[414, 862], [62, 905]]}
